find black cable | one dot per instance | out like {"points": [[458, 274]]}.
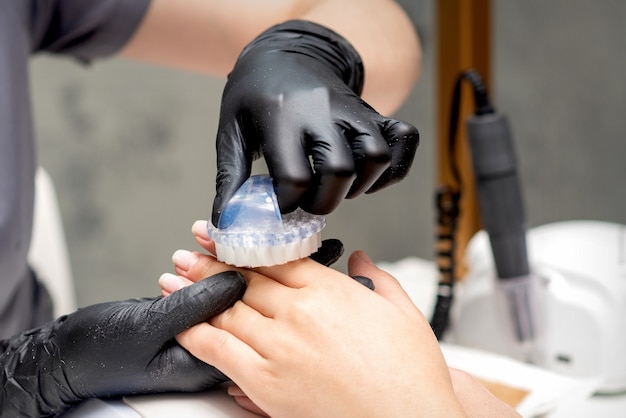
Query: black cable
{"points": [[447, 215], [447, 202], [482, 106]]}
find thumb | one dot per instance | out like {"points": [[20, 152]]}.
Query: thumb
{"points": [[330, 251], [198, 302], [359, 264], [234, 164]]}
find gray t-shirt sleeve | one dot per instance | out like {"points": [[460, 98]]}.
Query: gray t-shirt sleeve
{"points": [[84, 29]]}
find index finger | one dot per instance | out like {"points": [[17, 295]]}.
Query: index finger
{"points": [[299, 273]]}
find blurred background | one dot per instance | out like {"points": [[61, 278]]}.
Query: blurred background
{"points": [[130, 147]]}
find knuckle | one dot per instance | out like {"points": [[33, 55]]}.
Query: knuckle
{"points": [[336, 168]]}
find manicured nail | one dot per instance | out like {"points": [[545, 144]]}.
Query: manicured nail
{"points": [[364, 257], [234, 390], [199, 228], [184, 259], [170, 282]]}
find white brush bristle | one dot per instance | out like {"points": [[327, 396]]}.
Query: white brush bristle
{"points": [[268, 256]]}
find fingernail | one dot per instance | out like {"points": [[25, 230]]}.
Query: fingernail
{"points": [[199, 228], [184, 259], [235, 390], [170, 282], [364, 257]]}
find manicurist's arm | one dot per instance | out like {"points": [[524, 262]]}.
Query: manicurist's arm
{"points": [[208, 35]]}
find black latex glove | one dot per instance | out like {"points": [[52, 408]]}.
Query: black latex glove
{"points": [[331, 251], [113, 349], [293, 97]]}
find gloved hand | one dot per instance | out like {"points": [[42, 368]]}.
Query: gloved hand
{"points": [[112, 349], [331, 251], [293, 97]]}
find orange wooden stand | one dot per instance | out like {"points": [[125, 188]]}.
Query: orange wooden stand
{"points": [[464, 41]]}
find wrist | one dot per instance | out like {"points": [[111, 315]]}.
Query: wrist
{"points": [[316, 41], [34, 387]]}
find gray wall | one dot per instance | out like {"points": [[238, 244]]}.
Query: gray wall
{"points": [[130, 146], [560, 69]]}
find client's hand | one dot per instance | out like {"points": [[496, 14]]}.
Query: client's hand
{"points": [[342, 346], [306, 340]]}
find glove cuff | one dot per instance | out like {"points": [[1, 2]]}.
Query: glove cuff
{"points": [[318, 42], [32, 380]]}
